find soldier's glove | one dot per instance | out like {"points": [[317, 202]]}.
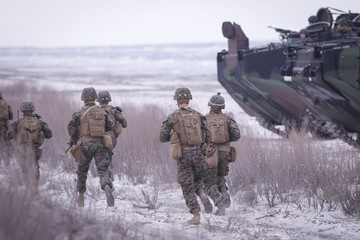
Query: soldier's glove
{"points": [[210, 150], [203, 147], [37, 115]]}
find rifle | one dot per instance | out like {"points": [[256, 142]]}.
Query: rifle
{"points": [[70, 145], [282, 31]]}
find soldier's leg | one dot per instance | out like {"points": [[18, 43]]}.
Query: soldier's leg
{"points": [[186, 181], [102, 162], [223, 170], [83, 169]]}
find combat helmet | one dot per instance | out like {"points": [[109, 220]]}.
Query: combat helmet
{"points": [[103, 97], [27, 106], [88, 94], [182, 93], [313, 19], [1, 96], [217, 101]]}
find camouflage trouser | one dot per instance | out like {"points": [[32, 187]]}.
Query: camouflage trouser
{"points": [[223, 168], [97, 150], [210, 181], [190, 169], [28, 156]]}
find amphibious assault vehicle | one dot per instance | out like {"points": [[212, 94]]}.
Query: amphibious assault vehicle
{"points": [[310, 82]]}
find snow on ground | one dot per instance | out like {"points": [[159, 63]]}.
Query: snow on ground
{"points": [[168, 220]]}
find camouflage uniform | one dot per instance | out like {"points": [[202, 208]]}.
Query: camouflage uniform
{"points": [[92, 147], [217, 103], [6, 117], [191, 166], [28, 153], [116, 116]]}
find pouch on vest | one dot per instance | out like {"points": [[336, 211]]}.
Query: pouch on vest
{"points": [[218, 128], [78, 154], [190, 128], [211, 155], [4, 110], [108, 142], [233, 154], [29, 131], [176, 151], [96, 122]]}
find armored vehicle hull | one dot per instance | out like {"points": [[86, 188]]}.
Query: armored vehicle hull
{"points": [[308, 82]]}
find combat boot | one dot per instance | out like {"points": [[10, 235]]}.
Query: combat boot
{"points": [[205, 201], [225, 197], [221, 209], [109, 196], [196, 218], [80, 199]]}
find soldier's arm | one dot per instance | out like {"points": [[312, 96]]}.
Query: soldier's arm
{"points": [[11, 115], [166, 128], [74, 127], [46, 130], [120, 118], [205, 130], [234, 131], [10, 134], [109, 124]]}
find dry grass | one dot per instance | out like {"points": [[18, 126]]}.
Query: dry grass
{"points": [[297, 170]]}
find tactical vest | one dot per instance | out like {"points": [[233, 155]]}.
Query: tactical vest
{"points": [[4, 110], [219, 131], [188, 127], [29, 131], [118, 125], [92, 124]]}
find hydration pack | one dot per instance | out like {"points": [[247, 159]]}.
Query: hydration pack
{"points": [[190, 127], [29, 131], [218, 127], [4, 110]]}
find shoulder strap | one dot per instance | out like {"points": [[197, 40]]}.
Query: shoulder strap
{"points": [[86, 112]]}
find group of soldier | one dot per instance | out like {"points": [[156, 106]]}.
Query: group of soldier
{"points": [[200, 145], [341, 26], [194, 139]]}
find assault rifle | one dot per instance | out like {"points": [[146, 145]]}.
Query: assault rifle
{"points": [[70, 145]]}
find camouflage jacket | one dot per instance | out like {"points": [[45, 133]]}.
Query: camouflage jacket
{"points": [[11, 115], [234, 131], [117, 113], [74, 124], [168, 125], [11, 133]]}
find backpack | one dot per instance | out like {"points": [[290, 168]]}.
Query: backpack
{"points": [[4, 110], [218, 127], [190, 127], [92, 122], [29, 131]]}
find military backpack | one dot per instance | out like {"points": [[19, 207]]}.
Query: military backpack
{"points": [[218, 127], [92, 122], [190, 127], [29, 131]]}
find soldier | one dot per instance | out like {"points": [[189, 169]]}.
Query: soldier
{"points": [[116, 116], [342, 26], [313, 19], [88, 127], [6, 117], [29, 133], [187, 132], [223, 130]]}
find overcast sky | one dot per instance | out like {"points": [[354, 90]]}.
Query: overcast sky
{"points": [[63, 23]]}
